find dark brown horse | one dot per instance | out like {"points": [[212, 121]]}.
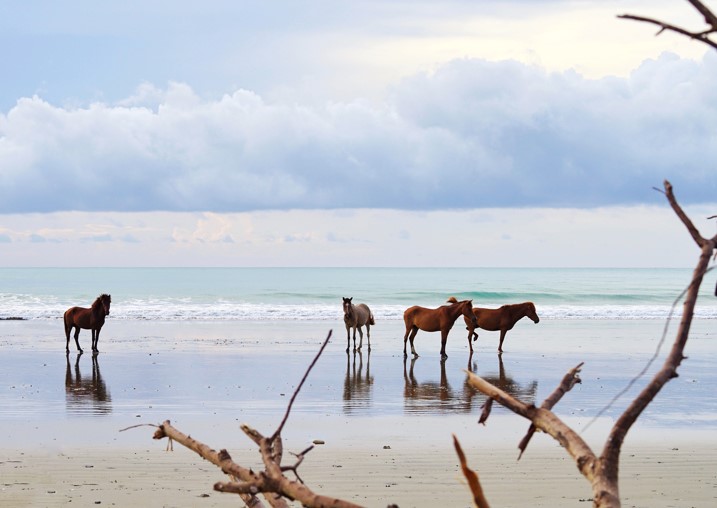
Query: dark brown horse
{"points": [[89, 319], [502, 319], [433, 320], [356, 316]]}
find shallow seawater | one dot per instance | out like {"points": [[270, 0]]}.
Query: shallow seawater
{"points": [[210, 376]]}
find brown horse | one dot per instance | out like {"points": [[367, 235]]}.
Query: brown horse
{"points": [[502, 319], [89, 319], [433, 320], [356, 316]]}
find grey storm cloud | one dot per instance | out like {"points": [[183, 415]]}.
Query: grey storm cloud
{"points": [[471, 134]]}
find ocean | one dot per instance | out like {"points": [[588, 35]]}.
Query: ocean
{"points": [[281, 294]]}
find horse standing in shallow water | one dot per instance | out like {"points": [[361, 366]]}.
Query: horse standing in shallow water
{"points": [[89, 319], [356, 316], [502, 319], [432, 320]]}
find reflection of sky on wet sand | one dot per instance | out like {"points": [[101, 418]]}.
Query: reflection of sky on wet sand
{"points": [[232, 381]]}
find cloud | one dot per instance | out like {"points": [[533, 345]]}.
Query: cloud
{"points": [[471, 134], [610, 236]]}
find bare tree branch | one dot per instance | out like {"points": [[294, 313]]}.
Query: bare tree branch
{"points": [[668, 371], [220, 459], [569, 380], [298, 388], [710, 18], [702, 36], [602, 472], [544, 420], [471, 477], [699, 36], [271, 482]]}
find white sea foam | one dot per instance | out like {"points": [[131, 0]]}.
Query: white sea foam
{"points": [[190, 311]]}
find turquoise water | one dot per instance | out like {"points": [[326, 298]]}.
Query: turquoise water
{"points": [[315, 293]]}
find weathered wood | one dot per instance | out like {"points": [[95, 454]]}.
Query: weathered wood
{"points": [[602, 472]]}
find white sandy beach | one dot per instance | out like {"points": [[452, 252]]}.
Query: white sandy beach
{"points": [[386, 424], [652, 476]]}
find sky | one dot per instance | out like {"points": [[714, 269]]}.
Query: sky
{"points": [[356, 133]]}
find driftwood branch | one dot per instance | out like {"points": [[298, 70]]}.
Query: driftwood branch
{"points": [[471, 477], [271, 483], [298, 388], [221, 459], [675, 357], [602, 471], [701, 36], [569, 380], [544, 420]]}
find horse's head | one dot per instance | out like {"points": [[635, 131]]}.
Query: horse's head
{"points": [[466, 310], [531, 312], [348, 307], [105, 300]]}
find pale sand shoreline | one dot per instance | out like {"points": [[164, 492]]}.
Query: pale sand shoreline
{"points": [[651, 477], [51, 457]]}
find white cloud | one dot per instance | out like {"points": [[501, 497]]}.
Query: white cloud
{"points": [[471, 134], [649, 236]]}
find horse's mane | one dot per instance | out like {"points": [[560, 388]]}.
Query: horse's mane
{"points": [[98, 300], [453, 299]]}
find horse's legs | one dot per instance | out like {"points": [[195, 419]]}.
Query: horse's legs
{"points": [[95, 338], [77, 338], [502, 337], [360, 338], [348, 337], [413, 336], [444, 339], [368, 336], [409, 329], [68, 329]]}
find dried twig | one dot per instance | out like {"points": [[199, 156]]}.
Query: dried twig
{"points": [[298, 388], [569, 380], [471, 477], [702, 36], [271, 482]]}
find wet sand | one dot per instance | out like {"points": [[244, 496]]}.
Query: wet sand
{"points": [[386, 423]]}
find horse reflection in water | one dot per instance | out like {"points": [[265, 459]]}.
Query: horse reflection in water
{"points": [[438, 397], [88, 395], [357, 385]]}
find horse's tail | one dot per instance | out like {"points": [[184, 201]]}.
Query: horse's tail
{"points": [[370, 319], [65, 321]]}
